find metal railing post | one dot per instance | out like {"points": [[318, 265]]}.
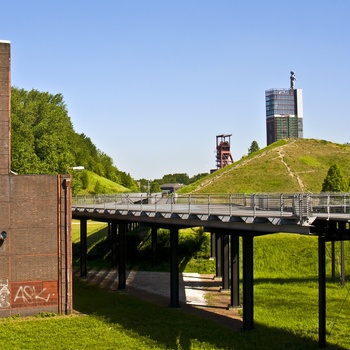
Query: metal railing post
{"points": [[189, 204], [328, 206], [281, 203], [254, 204], [171, 202], [208, 204]]}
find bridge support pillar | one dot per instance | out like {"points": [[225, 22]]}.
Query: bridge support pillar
{"points": [[218, 253], [121, 257], [234, 271], [321, 292], [212, 245], [114, 243], [248, 283], [174, 268], [154, 246], [83, 247], [225, 262]]}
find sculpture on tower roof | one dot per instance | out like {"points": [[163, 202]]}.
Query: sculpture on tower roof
{"points": [[292, 79]]}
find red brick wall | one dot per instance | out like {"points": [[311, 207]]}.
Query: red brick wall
{"points": [[35, 212], [5, 91]]}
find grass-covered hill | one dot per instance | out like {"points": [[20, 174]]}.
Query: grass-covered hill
{"points": [[87, 182], [293, 165]]}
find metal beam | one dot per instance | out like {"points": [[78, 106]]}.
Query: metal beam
{"points": [[218, 254], [225, 262], [212, 245], [83, 247], [121, 256], [174, 268], [114, 243], [248, 282], [321, 292], [234, 271], [154, 245]]}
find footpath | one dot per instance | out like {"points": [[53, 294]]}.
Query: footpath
{"points": [[198, 294]]}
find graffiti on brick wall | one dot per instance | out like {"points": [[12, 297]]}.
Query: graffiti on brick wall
{"points": [[35, 293], [4, 294], [29, 294]]}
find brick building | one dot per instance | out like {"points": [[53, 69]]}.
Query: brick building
{"points": [[35, 227]]}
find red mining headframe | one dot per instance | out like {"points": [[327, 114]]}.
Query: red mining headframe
{"points": [[223, 154]]}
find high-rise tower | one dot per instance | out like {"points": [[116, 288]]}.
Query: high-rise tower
{"points": [[284, 113]]}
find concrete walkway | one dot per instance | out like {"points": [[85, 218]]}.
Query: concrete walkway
{"points": [[198, 294]]}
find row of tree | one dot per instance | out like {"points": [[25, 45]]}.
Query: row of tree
{"points": [[43, 140], [153, 186]]}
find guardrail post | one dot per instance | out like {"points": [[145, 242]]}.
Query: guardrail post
{"points": [[171, 202], [281, 203], [189, 204], [208, 204], [328, 206], [254, 204]]}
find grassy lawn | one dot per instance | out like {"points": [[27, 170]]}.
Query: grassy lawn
{"points": [[285, 297]]}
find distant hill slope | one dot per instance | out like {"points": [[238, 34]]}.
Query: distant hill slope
{"points": [[294, 165], [88, 182]]}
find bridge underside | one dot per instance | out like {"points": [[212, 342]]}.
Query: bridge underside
{"points": [[225, 247]]}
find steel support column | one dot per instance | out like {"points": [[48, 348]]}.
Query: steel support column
{"points": [[212, 244], [113, 227], [225, 262], [83, 247], [121, 256], [333, 260], [174, 268], [321, 292], [248, 282], [234, 271], [154, 246], [218, 250]]}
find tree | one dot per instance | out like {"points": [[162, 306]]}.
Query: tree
{"points": [[253, 147], [43, 140], [155, 188], [335, 181]]}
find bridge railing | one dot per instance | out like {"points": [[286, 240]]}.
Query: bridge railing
{"points": [[302, 205]]}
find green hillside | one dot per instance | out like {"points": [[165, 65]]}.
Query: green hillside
{"points": [[87, 182], [43, 141], [294, 165]]}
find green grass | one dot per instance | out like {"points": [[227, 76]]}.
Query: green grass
{"points": [[285, 312], [94, 183], [276, 168]]}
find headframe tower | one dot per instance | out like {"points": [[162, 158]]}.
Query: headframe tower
{"points": [[223, 153]]}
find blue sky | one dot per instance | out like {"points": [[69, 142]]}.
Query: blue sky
{"points": [[152, 82]]}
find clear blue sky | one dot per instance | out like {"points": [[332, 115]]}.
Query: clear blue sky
{"points": [[152, 82]]}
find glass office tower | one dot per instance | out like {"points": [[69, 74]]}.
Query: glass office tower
{"points": [[284, 113]]}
